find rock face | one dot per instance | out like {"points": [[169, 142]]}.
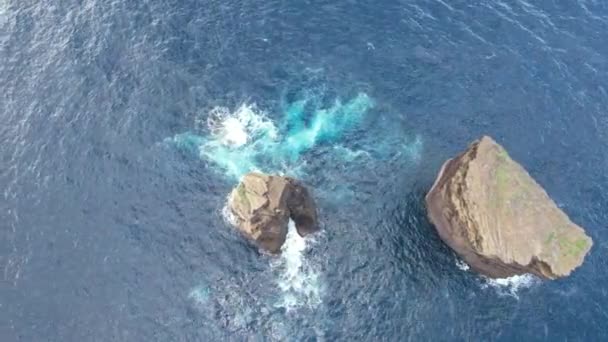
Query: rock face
{"points": [[489, 210], [262, 206]]}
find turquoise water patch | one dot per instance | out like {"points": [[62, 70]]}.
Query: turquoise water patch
{"points": [[246, 140]]}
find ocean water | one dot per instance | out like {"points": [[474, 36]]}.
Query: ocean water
{"points": [[125, 124]]}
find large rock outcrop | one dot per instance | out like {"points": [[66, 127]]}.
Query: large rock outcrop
{"points": [[489, 210], [263, 204]]}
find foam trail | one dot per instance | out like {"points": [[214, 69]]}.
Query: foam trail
{"points": [[297, 276]]}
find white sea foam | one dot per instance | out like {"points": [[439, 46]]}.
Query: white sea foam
{"points": [[504, 286], [297, 276], [236, 129], [227, 214], [512, 285], [462, 265], [351, 154], [238, 139]]}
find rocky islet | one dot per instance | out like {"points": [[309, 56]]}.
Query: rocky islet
{"points": [[262, 206], [484, 205], [495, 216]]}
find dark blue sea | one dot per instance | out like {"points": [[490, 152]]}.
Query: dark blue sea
{"points": [[125, 124]]}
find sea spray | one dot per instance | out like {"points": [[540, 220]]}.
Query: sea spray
{"points": [[297, 276]]}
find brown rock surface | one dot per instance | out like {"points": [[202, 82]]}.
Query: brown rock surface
{"points": [[489, 210], [263, 204]]}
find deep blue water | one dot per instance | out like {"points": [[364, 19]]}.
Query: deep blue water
{"points": [[125, 124]]}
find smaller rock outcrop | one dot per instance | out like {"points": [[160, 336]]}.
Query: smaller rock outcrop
{"points": [[489, 210], [262, 206]]}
